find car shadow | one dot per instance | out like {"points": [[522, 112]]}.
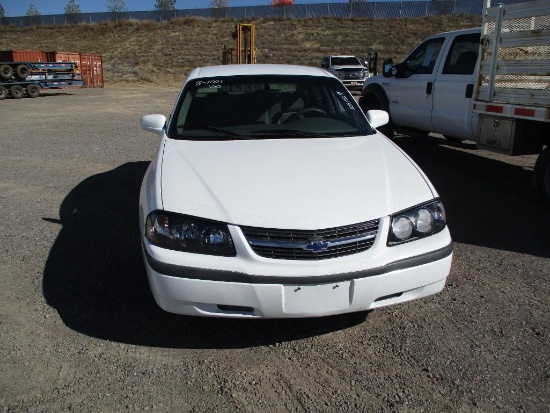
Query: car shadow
{"points": [[489, 203], [94, 277]]}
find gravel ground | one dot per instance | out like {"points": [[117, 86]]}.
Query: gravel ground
{"points": [[80, 331]]}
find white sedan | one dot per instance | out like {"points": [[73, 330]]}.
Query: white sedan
{"points": [[272, 195]]}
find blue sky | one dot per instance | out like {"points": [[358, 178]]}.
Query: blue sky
{"points": [[13, 8]]}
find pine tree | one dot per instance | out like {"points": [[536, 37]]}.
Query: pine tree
{"points": [[164, 5], [32, 11], [116, 6], [218, 4], [72, 7]]}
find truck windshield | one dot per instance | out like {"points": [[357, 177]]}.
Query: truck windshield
{"points": [[345, 61], [266, 107]]}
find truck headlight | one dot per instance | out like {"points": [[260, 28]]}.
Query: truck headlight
{"points": [[190, 234], [417, 222]]}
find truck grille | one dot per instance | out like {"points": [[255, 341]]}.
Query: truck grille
{"points": [[350, 74], [312, 245]]}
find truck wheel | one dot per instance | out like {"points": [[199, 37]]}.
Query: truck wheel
{"points": [[22, 72], [17, 92], [6, 71], [3, 93], [542, 175], [33, 91], [388, 129], [372, 100]]}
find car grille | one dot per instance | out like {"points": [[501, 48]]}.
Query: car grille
{"points": [[312, 245]]}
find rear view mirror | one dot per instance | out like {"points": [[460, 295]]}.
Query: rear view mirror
{"points": [[153, 123], [387, 68], [377, 118]]}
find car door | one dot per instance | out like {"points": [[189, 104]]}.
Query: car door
{"points": [[453, 89], [410, 92]]}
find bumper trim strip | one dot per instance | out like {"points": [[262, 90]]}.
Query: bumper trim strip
{"points": [[238, 277]]}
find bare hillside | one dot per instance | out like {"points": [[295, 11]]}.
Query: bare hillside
{"points": [[149, 52]]}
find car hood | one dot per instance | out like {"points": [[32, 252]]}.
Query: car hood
{"points": [[290, 183]]}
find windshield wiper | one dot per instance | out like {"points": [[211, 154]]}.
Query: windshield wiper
{"points": [[292, 132], [217, 129]]}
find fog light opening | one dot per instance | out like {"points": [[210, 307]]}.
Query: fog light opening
{"points": [[388, 297], [235, 308]]}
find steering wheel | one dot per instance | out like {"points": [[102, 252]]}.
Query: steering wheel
{"points": [[301, 114]]}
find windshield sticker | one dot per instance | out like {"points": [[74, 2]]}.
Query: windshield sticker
{"points": [[345, 100], [212, 83]]}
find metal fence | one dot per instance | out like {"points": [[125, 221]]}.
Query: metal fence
{"points": [[376, 10]]}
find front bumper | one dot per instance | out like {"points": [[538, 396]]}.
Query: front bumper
{"points": [[248, 286], [353, 84]]}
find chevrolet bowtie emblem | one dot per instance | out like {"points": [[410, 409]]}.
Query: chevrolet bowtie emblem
{"points": [[316, 245]]}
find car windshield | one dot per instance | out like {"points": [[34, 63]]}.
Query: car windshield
{"points": [[345, 61], [266, 107]]}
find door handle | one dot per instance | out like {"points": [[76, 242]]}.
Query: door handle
{"points": [[429, 87], [469, 90]]}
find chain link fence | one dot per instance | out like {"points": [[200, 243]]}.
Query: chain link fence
{"points": [[376, 10]]}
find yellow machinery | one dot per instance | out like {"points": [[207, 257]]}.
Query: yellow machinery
{"points": [[244, 50]]}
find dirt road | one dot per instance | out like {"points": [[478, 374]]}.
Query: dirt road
{"points": [[80, 331]]}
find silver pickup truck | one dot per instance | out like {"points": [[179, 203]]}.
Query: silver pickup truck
{"points": [[348, 69]]}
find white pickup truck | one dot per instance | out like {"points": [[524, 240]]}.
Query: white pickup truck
{"points": [[501, 101]]}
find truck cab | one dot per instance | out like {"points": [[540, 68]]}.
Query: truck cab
{"points": [[432, 90]]}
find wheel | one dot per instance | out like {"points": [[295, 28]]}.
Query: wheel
{"points": [[6, 72], [17, 92], [372, 100], [22, 72], [542, 175], [3, 93], [301, 114], [33, 91]]}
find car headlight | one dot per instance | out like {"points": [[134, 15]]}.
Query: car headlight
{"points": [[190, 234], [417, 222]]}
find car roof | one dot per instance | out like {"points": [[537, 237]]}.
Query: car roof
{"points": [[256, 69]]}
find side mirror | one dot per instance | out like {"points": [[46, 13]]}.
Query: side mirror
{"points": [[387, 68], [153, 123], [323, 65], [377, 118]]}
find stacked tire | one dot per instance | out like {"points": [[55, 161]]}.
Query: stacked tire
{"points": [[17, 91]]}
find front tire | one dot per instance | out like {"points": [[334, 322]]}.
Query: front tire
{"points": [[373, 101], [542, 175]]}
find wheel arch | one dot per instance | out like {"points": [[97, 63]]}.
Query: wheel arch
{"points": [[375, 94]]}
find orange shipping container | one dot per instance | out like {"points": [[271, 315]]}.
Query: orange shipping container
{"points": [[69, 57], [23, 56], [91, 67]]}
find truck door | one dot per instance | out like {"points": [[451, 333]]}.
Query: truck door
{"points": [[410, 92], [453, 89]]}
